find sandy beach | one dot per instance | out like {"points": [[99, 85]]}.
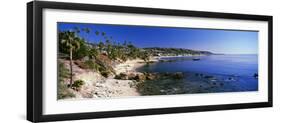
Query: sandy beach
{"points": [[129, 66], [132, 65]]}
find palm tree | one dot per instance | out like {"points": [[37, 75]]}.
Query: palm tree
{"points": [[103, 34], [72, 44], [76, 29], [109, 47], [93, 53], [101, 46], [87, 30], [97, 33]]}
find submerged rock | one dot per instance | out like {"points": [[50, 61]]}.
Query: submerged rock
{"points": [[232, 79], [209, 77], [178, 75], [166, 74]]}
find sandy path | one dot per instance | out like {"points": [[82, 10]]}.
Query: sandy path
{"points": [[97, 86]]}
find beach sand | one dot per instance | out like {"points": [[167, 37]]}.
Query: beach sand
{"points": [[129, 66]]}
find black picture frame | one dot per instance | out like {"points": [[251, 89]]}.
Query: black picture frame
{"points": [[35, 69]]}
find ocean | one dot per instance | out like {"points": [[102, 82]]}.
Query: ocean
{"points": [[212, 73]]}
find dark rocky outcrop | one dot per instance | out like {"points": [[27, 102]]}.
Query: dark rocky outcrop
{"points": [[140, 77], [122, 76], [151, 76], [178, 75]]}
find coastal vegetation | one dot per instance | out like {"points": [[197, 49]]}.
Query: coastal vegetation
{"points": [[63, 90]]}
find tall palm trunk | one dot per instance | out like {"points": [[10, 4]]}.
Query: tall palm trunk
{"points": [[70, 63]]}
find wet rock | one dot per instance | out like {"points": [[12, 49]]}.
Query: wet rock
{"points": [[209, 77], [151, 76], [178, 75], [122, 76], [166, 74], [140, 77]]}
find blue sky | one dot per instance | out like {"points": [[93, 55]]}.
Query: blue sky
{"points": [[216, 41]]}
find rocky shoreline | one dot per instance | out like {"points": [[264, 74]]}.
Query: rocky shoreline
{"points": [[128, 82]]}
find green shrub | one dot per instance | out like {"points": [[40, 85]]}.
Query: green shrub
{"points": [[105, 73], [101, 68], [63, 72], [82, 51], [64, 92], [89, 64], [78, 84]]}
